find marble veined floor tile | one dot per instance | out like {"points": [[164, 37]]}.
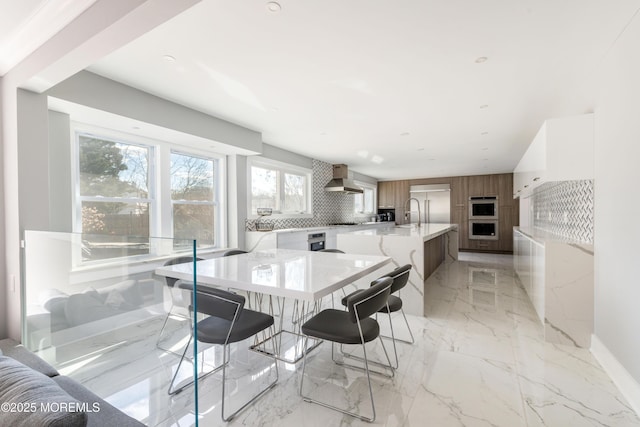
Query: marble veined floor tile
{"points": [[495, 348], [461, 390], [479, 359]]}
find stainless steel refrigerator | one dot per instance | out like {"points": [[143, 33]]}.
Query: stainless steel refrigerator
{"points": [[434, 202]]}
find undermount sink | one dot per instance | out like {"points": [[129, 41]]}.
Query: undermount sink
{"points": [[407, 226]]}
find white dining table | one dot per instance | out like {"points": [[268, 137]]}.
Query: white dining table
{"points": [[287, 273], [302, 276]]}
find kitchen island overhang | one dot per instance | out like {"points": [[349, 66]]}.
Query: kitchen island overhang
{"points": [[424, 247]]}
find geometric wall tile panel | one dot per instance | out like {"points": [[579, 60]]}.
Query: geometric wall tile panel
{"points": [[328, 207], [565, 208]]}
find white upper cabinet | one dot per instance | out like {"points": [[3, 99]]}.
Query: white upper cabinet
{"points": [[561, 151]]}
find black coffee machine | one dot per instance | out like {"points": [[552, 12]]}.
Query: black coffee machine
{"points": [[387, 215]]}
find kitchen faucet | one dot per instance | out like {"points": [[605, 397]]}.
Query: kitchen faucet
{"points": [[407, 213]]}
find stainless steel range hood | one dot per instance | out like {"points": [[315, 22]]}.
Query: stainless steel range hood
{"points": [[341, 182]]}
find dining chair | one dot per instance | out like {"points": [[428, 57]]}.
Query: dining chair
{"points": [[227, 322], [354, 326], [400, 277], [176, 294]]}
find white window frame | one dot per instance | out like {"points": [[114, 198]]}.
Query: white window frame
{"points": [[281, 167], [78, 198], [366, 186], [159, 191], [215, 203]]}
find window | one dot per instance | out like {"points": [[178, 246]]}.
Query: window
{"points": [[192, 197], [130, 189], [114, 196], [365, 203], [286, 189]]}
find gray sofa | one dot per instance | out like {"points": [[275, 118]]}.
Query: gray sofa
{"points": [[28, 384]]}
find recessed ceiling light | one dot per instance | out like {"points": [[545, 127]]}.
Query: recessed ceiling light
{"points": [[323, 134], [405, 134], [420, 149], [169, 58], [431, 159], [485, 159], [135, 127], [483, 106], [485, 148], [481, 59], [273, 6], [484, 133]]}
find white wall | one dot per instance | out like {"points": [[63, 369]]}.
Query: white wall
{"points": [[236, 200], [60, 184], [105, 26], [33, 160], [3, 287], [275, 153], [617, 205], [91, 90]]}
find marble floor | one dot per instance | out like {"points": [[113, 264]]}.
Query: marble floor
{"points": [[479, 360]]}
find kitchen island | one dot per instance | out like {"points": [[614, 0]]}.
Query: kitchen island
{"points": [[424, 247]]}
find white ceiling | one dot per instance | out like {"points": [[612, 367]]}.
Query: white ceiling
{"points": [[26, 24], [390, 88]]}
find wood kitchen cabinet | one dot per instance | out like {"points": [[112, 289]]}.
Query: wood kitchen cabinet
{"points": [[401, 195], [460, 208], [484, 185], [496, 185], [505, 189], [484, 245], [491, 185], [476, 186], [459, 192], [386, 197], [460, 216], [394, 194]]}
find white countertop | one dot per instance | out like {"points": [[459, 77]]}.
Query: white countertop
{"points": [[542, 237], [326, 227], [424, 232], [304, 275]]}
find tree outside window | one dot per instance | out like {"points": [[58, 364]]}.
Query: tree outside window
{"points": [[114, 197], [192, 198]]}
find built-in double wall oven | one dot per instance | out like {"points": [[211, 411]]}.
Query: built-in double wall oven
{"points": [[483, 218]]}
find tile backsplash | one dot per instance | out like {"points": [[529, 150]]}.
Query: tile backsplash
{"points": [[328, 207], [565, 208]]}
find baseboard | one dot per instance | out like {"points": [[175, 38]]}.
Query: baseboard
{"points": [[627, 385]]}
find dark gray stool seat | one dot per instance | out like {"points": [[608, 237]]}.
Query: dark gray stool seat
{"points": [[335, 325], [214, 330]]}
